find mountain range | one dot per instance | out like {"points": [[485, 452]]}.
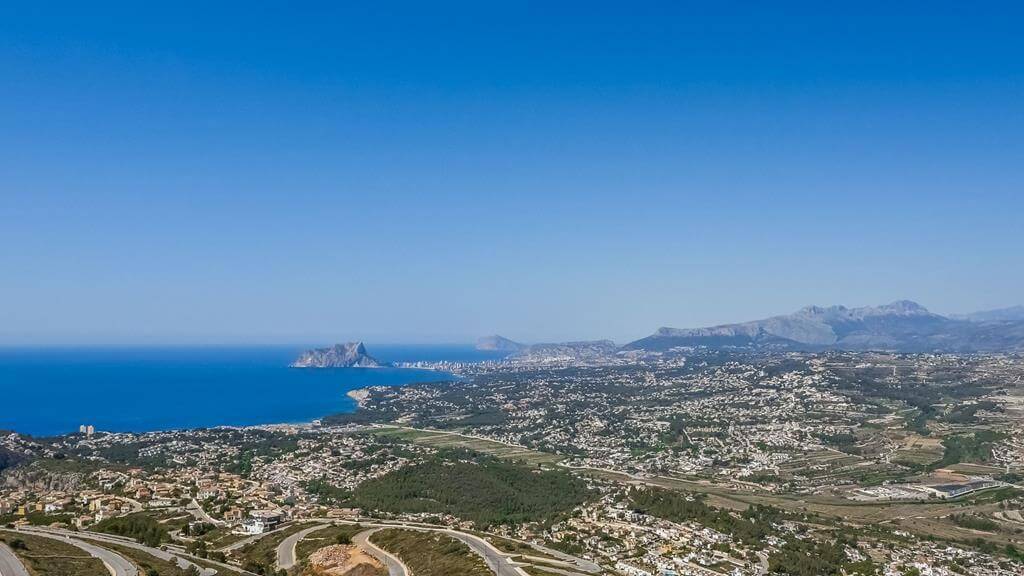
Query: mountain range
{"points": [[582, 350], [902, 326]]}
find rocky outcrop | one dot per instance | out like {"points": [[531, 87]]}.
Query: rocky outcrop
{"points": [[343, 560], [39, 477], [348, 355]]}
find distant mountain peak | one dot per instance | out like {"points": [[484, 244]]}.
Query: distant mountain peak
{"points": [[499, 344], [580, 350], [347, 355], [904, 307], [1011, 314], [903, 325]]}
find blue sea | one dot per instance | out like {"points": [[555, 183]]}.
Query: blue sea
{"points": [[54, 390]]}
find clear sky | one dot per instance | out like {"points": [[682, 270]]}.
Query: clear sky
{"points": [[214, 172]]}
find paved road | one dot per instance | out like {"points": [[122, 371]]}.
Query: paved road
{"points": [[9, 563], [197, 511], [251, 539], [576, 562], [395, 566], [182, 563], [496, 560], [286, 549], [116, 564]]}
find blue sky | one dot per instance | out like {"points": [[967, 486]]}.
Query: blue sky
{"points": [[405, 172]]}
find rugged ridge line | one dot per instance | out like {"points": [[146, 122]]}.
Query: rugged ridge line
{"points": [[902, 326]]}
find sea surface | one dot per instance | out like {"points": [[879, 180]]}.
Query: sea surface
{"points": [[47, 391]]}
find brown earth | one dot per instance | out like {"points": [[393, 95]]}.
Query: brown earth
{"points": [[343, 560]]}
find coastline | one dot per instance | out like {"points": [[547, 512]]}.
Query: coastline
{"points": [[360, 395], [213, 387]]}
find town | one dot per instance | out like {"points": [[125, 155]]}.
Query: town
{"points": [[697, 464]]}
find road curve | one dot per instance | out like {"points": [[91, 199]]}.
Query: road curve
{"points": [[498, 562], [286, 549], [116, 564], [196, 510], [181, 562], [395, 566], [251, 539], [9, 563]]}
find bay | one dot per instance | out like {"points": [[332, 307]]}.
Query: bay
{"points": [[46, 391]]}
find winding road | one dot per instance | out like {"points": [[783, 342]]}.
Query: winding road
{"points": [[9, 563], [196, 510], [496, 560], [181, 562], [286, 549], [116, 564], [501, 563], [395, 566]]}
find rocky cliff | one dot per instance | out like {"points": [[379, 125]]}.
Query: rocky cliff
{"points": [[348, 355]]}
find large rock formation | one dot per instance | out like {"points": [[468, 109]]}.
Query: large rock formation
{"points": [[348, 355]]}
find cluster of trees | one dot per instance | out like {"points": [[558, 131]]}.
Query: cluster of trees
{"points": [[267, 444], [925, 397], [817, 558], [199, 547], [9, 458], [973, 522], [751, 526], [976, 447], [328, 493], [967, 413], [141, 527], [482, 489], [843, 441]]}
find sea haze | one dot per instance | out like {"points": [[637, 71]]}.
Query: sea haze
{"points": [[54, 390]]}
